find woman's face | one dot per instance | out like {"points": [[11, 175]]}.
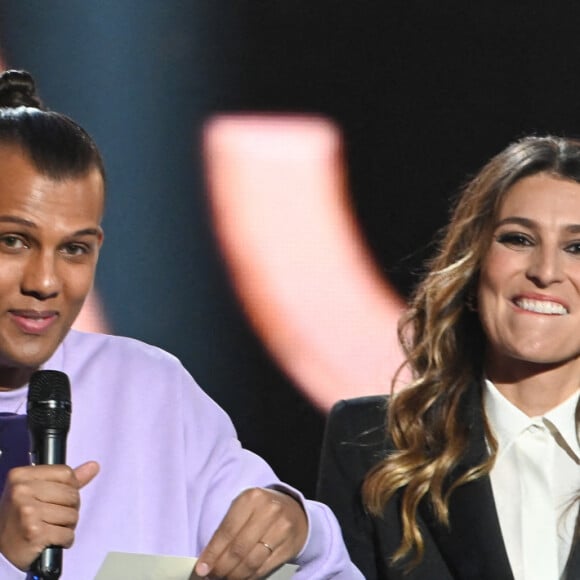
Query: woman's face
{"points": [[529, 285]]}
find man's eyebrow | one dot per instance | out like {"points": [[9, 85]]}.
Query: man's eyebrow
{"points": [[11, 219], [87, 232], [17, 220]]}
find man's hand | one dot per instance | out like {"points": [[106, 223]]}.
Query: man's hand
{"points": [[262, 529], [40, 507]]}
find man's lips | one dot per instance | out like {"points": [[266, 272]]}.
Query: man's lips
{"points": [[33, 321], [541, 305]]}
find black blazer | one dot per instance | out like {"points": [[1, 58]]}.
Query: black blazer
{"points": [[471, 548]]}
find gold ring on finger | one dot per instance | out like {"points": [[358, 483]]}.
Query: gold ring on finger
{"points": [[267, 546]]}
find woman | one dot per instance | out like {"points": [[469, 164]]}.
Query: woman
{"points": [[478, 474]]}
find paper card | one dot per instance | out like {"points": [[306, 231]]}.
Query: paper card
{"points": [[127, 566]]}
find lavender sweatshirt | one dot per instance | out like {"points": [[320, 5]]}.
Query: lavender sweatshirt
{"points": [[170, 461]]}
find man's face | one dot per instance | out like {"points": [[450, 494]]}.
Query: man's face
{"points": [[50, 237]]}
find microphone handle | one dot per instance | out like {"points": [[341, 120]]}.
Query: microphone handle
{"points": [[50, 449], [48, 566]]}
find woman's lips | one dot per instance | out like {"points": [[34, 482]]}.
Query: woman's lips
{"points": [[33, 322]]}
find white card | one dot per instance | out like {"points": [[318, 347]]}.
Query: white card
{"points": [[127, 566]]}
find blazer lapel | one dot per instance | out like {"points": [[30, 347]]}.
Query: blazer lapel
{"points": [[472, 545]]}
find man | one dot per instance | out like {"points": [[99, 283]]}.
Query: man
{"points": [[166, 472]]}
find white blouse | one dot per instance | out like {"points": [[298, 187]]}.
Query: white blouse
{"points": [[535, 482]]}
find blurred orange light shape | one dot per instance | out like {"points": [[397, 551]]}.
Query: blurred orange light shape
{"points": [[296, 256], [92, 318]]}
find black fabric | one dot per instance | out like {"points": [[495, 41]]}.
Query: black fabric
{"points": [[471, 548]]}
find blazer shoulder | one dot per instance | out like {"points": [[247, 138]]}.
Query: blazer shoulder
{"points": [[358, 426], [360, 413], [361, 406]]}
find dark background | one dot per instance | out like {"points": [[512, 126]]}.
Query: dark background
{"points": [[424, 92]]}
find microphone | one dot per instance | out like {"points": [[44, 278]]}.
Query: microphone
{"points": [[49, 410]]}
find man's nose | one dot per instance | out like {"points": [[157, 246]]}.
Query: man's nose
{"points": [[40, 277]]}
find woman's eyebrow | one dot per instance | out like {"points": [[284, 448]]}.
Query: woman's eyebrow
{"points": [[529, 223]]}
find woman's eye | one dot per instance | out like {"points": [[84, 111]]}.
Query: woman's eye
{"points": [[573, 248], [515, 239]]}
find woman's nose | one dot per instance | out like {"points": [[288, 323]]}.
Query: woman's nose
{"points": [[545, 267]]}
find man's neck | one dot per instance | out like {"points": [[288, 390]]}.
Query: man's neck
{"points": [[14, 377]]}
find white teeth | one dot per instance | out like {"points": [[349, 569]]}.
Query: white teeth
{"points": [[541, 306]]}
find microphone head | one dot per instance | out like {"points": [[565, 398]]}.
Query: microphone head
{"points": [[49, 404]]}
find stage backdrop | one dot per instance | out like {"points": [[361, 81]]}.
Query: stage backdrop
{"points": [[421, 95]]}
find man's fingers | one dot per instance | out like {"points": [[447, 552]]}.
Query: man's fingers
{"points": [[52, 493], [226, 545], [223, 539], [56, 473], [238, 556], [258, 561], [256, 535], [29, 491], [86, 472], [59, 515], [62, 474], [48, 524], [40, 507]]}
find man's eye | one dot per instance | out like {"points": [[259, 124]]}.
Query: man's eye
{"points": [[13, 242], [515, 239], [76, 249]]}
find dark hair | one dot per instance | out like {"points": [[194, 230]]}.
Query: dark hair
{"points": [[57, 146]]}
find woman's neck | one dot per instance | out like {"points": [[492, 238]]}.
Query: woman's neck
{"points": [[535, 388]]}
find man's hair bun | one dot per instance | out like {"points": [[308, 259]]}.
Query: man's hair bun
{"points": [[17, 89]]}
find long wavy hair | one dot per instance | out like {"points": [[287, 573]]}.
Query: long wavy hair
{"points": [[444, 345]]}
